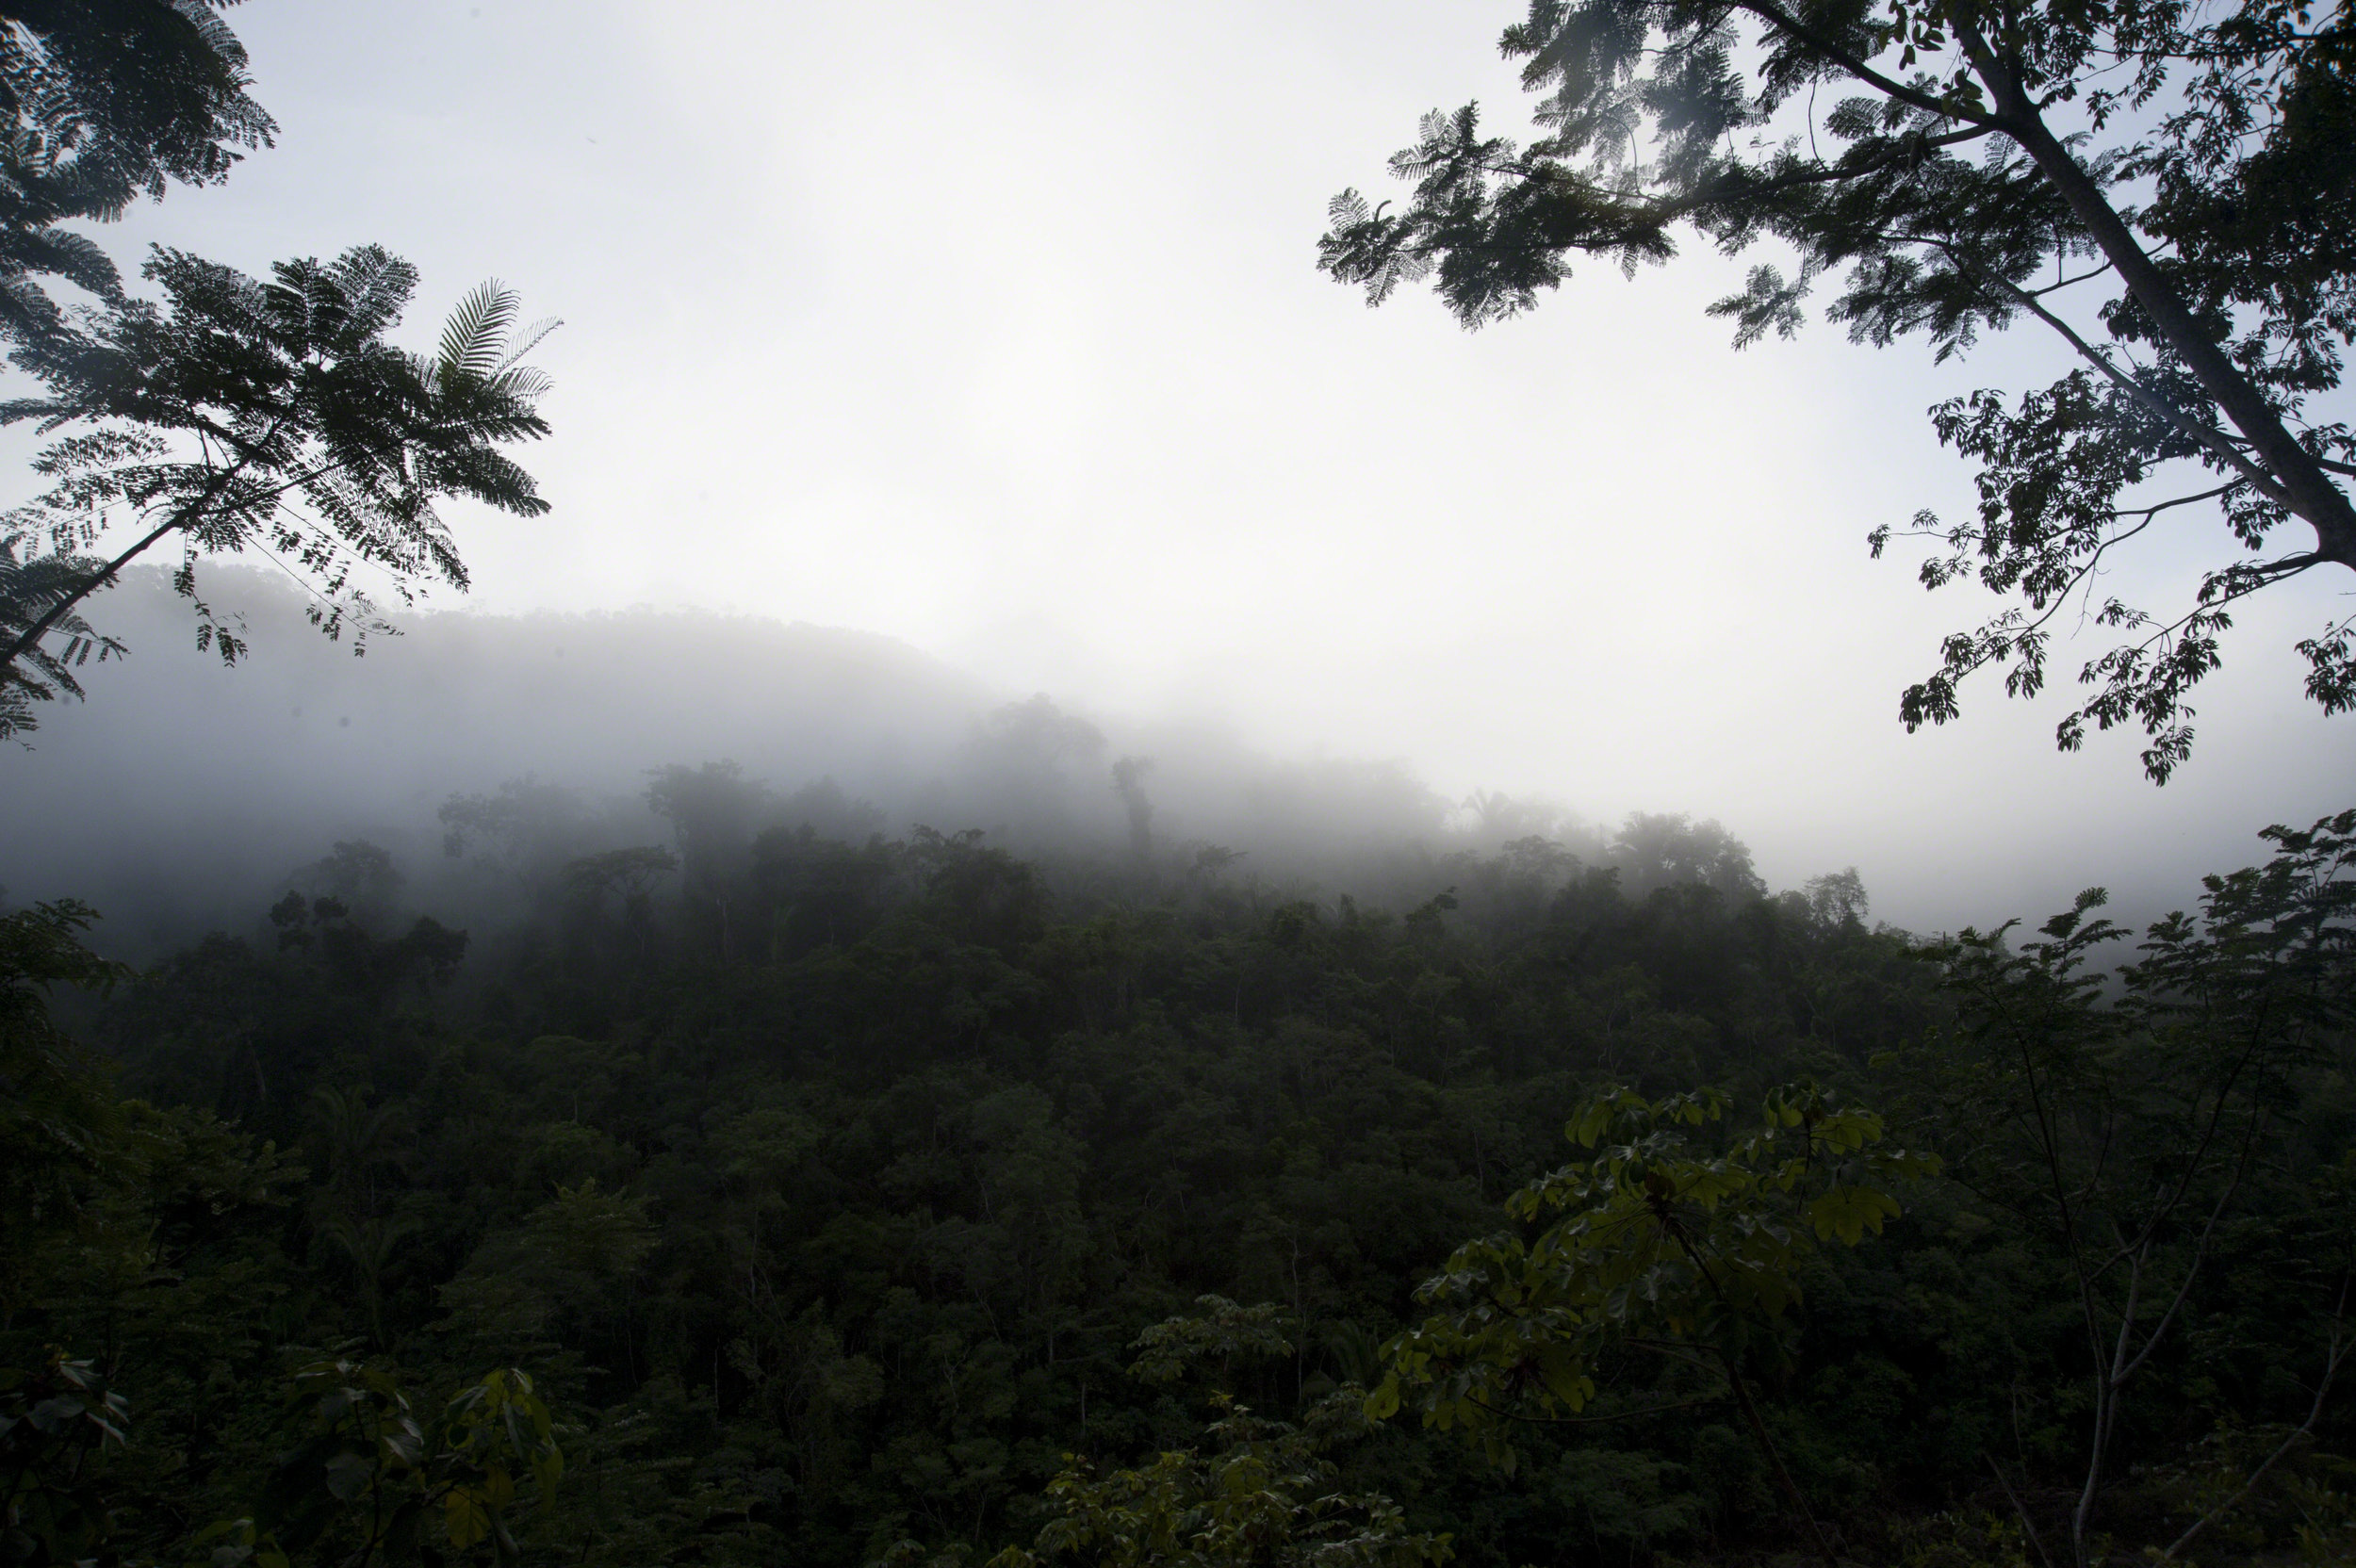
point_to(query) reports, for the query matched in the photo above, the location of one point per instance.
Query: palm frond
(206, 413)
(528, 340)
(470, 343)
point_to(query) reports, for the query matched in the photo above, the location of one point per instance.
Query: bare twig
(2021, 1509)
(2336, 1353)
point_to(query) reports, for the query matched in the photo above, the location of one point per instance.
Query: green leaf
(466, 1518)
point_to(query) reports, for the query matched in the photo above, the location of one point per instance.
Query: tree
(530, 826)
(210, 417)
(1129, 784)
(27, 589)
(105, 100)
(2125, 1129)
(1021, 762)
(1659, 1249)
(714, 811)
(631, 873)
(2169, 190)
(357, 877)
(1267, 1494)
(1662, 851)
(58, 1122)
(371, 1482)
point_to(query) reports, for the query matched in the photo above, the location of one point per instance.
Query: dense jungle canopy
(852, 1198)
(740, 1171)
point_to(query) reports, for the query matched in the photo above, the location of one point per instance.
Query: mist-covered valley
(856, 1112)
(471, 748)
(766, 796)
(188, 791)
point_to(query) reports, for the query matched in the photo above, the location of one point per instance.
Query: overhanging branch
(2214, 440)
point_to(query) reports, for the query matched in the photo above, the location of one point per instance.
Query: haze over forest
(1002, 886)
(1124, 446)
(221, 781)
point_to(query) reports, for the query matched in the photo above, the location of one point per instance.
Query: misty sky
(997, 330)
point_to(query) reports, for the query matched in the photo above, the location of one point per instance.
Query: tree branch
(184, 517)
(2333, 1356)
(2021, 1509)
(2215, 440)
(1784, 22)
(2200, 1254)
(2307, 491)
(40, 628)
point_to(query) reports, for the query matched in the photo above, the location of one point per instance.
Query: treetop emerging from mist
(2171, 189)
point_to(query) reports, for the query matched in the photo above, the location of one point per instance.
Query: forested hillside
(848, 1198)
(599, 1087)
(195, 832)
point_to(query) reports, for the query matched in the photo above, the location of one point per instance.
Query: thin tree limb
(2333, 1356)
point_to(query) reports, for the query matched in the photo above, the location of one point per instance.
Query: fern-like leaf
(470, 343)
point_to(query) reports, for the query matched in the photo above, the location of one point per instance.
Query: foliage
(207, 418)
(1659, 1246)
(103, 101)
(29, 589)
(1267, 1496)
(54, 1423)
(1660, 1250)
(1208, 1342)
(55, 1119)
(373, 1482)
(237, 414)
(2125, 1116)
(862, 1229)
(1967, 166)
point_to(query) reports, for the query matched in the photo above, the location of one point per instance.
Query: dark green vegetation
(2169, 188)
(833, 1189)
(784, 1192)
